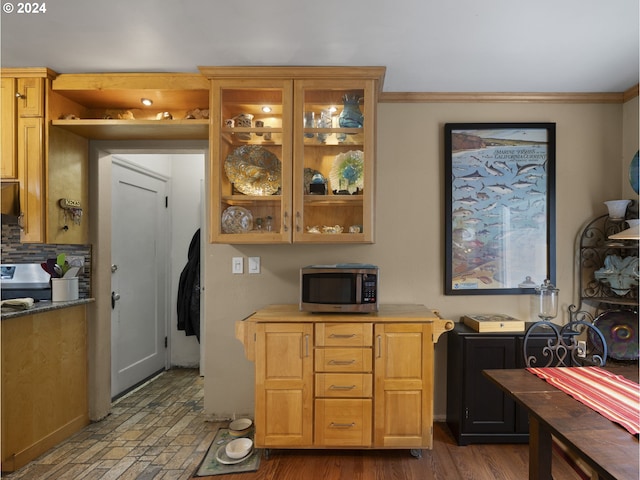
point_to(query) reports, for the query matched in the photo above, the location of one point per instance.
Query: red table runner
(612, 396)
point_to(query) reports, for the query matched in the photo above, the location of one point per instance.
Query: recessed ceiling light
(146, 102)
(266, 109)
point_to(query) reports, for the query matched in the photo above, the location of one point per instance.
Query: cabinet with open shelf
(263, 163)
(607, 272)
(107, 106)
(593, 250)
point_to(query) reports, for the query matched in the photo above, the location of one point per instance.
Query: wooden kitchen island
(343, 380)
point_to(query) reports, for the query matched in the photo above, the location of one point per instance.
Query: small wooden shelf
(243, 200)
(137, 129)
(333, 200)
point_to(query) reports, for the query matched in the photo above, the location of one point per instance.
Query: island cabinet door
(403, 366)
(284, 385)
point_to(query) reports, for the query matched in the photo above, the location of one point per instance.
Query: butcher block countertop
(387, 313)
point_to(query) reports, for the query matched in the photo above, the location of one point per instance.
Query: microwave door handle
(358, 289)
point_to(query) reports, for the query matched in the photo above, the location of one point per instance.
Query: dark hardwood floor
(160, 432)
(447, 461)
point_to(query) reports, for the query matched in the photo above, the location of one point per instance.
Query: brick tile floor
(156, 432)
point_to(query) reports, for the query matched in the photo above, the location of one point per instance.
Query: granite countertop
(43, 306)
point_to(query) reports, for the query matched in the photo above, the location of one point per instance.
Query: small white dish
(222, 457)
(238, 448)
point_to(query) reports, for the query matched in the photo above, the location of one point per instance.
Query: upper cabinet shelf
(108, 106)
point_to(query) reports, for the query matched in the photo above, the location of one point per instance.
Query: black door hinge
(166, 342)
(166, 202)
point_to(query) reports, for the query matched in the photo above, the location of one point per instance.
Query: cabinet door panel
(328, 146)
(488, 410)
(31, 100)
(403, 385)
(31, 174)
(8, 161)
(251, 164)
(284, 385)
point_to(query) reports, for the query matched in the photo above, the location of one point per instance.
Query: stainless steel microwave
(342, 287)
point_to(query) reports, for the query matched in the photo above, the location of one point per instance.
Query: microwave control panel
(369, 289)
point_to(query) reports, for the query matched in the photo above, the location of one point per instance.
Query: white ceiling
(426, 45)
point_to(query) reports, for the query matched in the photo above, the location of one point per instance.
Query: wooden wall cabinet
(44, 382)
(343, 380)
(274, 155)
(24, 137)
(48, 163)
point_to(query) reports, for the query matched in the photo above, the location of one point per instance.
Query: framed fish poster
(500, 207)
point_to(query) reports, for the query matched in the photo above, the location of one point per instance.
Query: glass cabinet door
(334, 150)
(251, 163)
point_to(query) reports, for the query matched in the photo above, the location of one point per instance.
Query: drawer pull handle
(338, 335)
(341, 362)
(342, 387)
(342, 425)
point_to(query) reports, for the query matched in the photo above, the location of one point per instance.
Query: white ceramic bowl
(239, 448)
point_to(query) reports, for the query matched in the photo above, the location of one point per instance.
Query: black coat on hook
(189, 291)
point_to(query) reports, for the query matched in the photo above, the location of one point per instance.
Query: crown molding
(506, 97)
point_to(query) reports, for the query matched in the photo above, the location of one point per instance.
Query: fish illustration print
(462, 212)
(467, 201)
(493, 171)
(472, 176)
(499, 188)
(522, 184)
(489, 207)
(522, 169)
(502, 165)
(466, 188)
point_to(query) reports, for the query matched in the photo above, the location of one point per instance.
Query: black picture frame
(500, 207)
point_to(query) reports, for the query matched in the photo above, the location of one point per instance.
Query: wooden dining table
(605, 446)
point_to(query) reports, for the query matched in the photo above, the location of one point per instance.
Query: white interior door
(139, 277)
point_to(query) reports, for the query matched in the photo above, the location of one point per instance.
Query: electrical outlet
(582, 349)
(254, 265)
(237, 265)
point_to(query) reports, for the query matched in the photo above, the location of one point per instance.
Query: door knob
(114, 298)
(114, 267)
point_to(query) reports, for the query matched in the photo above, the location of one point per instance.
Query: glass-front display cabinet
(293, 154)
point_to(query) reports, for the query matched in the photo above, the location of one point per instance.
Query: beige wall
(409, 230)
(630, 133)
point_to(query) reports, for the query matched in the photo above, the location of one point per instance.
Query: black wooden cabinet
(477, 410)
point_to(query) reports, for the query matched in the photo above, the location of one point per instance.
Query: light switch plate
(237, 265)
(254, 265)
